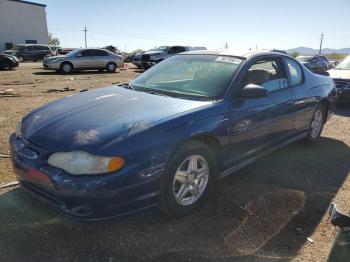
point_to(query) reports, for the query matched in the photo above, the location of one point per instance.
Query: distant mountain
(310, 51)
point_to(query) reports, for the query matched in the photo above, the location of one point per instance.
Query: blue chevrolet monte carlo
(167, 136)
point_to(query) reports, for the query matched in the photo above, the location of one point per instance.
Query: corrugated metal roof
(27, 2)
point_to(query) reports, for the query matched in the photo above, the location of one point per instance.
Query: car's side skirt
(245, 163)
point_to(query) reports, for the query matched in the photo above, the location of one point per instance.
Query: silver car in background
(84, 59)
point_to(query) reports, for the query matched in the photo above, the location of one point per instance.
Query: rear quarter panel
(315, 89)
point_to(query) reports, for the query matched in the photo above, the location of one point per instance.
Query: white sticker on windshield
(227, 59)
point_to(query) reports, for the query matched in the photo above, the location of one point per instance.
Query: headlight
(18, 129)
(55, 60)
(83, 163)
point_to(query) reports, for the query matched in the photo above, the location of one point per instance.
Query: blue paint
(145, 129)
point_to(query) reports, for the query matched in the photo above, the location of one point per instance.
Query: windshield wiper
(127, 86)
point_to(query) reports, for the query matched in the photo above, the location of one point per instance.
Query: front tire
(316, 124)
(189, 177)
(5, 65)
(20, 58)
(66, 68)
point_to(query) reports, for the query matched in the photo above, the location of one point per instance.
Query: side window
(268, 73)
(99, 53)
(85, 53)
(44, 47)
(295, 72)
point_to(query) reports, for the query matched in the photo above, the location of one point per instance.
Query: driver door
(259, 123)
(83, 60)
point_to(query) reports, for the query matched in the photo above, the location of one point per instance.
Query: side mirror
(79, 55)
(254, 91)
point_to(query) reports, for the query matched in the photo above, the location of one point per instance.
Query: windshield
(304, 58)
(345, 64)
(19, 48)
(74, 52)
(189, 76)
(161, 48)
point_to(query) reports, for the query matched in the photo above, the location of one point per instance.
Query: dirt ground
(264, 212)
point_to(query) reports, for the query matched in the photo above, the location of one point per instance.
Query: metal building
(22, 22)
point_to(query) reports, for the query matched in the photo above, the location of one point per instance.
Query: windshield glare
(189, 76)
(304, 58)
(345, 64)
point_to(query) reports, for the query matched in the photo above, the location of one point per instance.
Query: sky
(243, 24)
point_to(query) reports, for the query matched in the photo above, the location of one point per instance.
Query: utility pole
(85, 36)
(319, 51)
(125, 48)
(256, 46)
(226, 46)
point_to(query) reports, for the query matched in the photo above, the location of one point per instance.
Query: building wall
(20, 22)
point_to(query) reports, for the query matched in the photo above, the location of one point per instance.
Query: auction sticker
(227, 59)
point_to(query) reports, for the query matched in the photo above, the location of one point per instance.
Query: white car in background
(341, 77)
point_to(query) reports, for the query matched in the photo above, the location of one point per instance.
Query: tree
(295, 54)
(53, 41)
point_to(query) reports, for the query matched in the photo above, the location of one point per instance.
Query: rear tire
(316, 124)
(189, 177)
(111, 67)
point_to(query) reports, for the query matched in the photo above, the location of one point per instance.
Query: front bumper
(51, 66)
(82, 197)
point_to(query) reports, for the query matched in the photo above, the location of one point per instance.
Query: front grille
(342, 83)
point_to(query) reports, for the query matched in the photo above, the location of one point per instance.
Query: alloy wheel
(190, 180)
(316, 124)
(67, 68)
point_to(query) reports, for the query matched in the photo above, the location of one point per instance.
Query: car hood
(339, 73)
(8, 52)
(89, 120)
(6, 55)
(55, 57)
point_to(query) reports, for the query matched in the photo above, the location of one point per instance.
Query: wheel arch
(209, 140)
(325, 102)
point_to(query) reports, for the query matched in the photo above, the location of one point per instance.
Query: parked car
(167, 136)
(84, 59)
(314, 63)
(341, 76)
(157, 55)
(136, 59)
(8, 61)
(31, 52)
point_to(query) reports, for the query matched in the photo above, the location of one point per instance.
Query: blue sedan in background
(167, 136)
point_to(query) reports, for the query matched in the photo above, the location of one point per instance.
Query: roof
(27, 2)
(228, 52)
